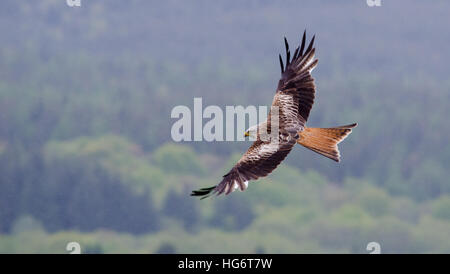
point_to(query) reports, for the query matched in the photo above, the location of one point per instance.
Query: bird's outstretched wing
(259, 161)
(295, 92)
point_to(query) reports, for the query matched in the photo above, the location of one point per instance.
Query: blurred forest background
(85, 148)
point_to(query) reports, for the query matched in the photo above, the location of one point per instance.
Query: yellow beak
(246, 134)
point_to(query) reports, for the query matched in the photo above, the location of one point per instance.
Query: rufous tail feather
(325, 140)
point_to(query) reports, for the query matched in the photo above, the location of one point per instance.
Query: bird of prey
(293, 100)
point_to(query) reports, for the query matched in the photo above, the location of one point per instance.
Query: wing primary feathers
(203, 192)
(281, 64)
(310, 44)
(305, 60)
(298, 52)
(286, 44)
(302, 47)
(288, 53)
(288, 58)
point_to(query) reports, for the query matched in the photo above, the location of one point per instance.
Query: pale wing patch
(268, 149)
(262, 151)
(287, 104)
(236, 186)
(289, 110)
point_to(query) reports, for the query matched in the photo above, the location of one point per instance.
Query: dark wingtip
(288, 52)
(298, 51)
(310, 44)
(302, 47)
(281, 64)
(203, 192)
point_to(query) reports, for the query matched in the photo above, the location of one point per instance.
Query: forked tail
(325, 140)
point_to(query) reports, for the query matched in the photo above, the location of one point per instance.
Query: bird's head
(252, 132)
